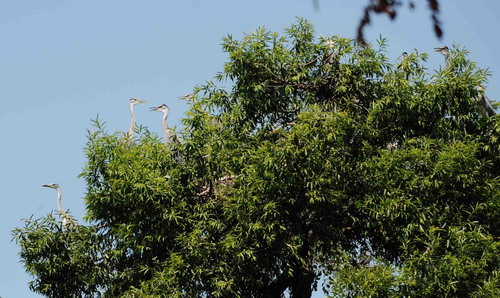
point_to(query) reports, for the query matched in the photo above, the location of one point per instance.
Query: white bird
(168, 133)
(133, 102)
(67, 221)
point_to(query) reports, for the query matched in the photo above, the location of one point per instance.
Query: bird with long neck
(133, 102)
(485, 107)
(66, 220)
(168, 133)
(446, 53)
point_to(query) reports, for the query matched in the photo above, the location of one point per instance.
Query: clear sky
(64, 62)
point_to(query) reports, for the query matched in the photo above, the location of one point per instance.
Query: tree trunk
(302, 286)
(304, 276)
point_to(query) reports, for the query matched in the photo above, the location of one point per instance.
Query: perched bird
(168, 133)
(446, 53)
(365, 258)
(404, 65)
(485, 107)
(329, 55)
(133, 102)
(483, 102)
(67, 221)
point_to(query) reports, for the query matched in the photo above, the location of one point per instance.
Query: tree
(322, 159)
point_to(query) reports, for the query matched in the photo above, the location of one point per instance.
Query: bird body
(404, 65)
(486, 109)
(67, 221)
(133, 102)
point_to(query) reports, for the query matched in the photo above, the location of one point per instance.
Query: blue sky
(64, 62)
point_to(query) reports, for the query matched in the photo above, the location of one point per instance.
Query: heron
(329, 55)
(365, 258)
(446, 53)
(168, 133)
(485, 107)
(404, 64)
(402, 58)
(133, 102)
(67, 221)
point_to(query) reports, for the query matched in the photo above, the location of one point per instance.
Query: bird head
(161, 108)
(443, 50)
(134, 101)
(188, 97)
(53, 185)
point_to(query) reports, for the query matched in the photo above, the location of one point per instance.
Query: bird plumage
(486, 109)
(133, 102)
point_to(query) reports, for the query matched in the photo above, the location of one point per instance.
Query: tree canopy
(324, 166)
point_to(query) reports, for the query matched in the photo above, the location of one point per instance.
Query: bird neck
(132, 121)
(164, 120)
(446, 60)
(59, 200)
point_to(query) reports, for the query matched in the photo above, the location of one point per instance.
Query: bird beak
(154, 108)
(45, 185)
(438, 49)
(142, 101)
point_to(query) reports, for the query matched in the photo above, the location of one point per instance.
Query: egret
(168, 133)
(133, 102)
(67, 221)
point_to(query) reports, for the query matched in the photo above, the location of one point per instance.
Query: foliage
(322, 159)
(66, 263)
